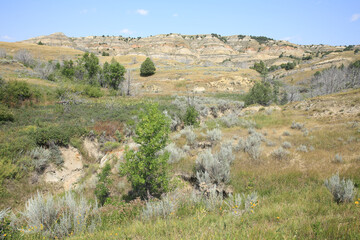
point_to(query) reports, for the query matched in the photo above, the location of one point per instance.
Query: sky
(333, 22)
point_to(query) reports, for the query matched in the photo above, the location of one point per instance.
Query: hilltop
(237, 50)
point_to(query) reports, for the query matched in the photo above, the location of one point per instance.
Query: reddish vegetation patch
(109, 127)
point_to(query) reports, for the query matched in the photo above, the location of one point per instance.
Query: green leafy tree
(260, 93)
(147, 68)
(260, 68)
(113, 73)
(68, 69)
(145, 168)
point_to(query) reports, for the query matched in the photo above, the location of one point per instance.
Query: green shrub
(5, 114)
(191, 116)
(102, 191)
(14, 92)
(93, 92)
(147, 68)
(59, 135)
(109, 146)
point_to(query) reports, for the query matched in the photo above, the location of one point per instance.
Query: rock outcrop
(236, 50)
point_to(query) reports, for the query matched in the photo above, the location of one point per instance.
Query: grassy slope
(293, 200)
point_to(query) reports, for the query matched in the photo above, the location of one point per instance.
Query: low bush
(280, 153)
(337, 159)
(159, 208)
(175, 153)
(342, 190)
(15, 92)
(102, 191)
(58, 217)
(92, 91)
(296, 125)
(190, 135)
(59, 135)
(230, 120)
(302, 148)
(286, 145)
(191, 116)
(5, 114)
(109, 146)
(214, 135)
(40, 158)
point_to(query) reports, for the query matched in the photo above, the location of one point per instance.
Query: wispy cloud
(127, 31)
(5, 37)
(355, 17)
(86, 10)
(142, 12)
(287, 38)
(175, 15)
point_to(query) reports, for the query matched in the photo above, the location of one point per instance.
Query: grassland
(293, 201)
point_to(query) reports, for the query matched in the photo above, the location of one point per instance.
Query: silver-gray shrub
(24, 56)
(230, 120)
(239, 204)
(176, 153)
(40, 158)
(159, 208)
(225, 153)
(296, 125)
(210, 170)
(4, 213)
(214, 135)
(253, 145)
(58, 217)
(341, 189)
(338, 158)
(302, 148)
(245, 123)
(250, 200)
(280, 153)
(286, 145)
(213, 199)
(286, 133)
(189, 135)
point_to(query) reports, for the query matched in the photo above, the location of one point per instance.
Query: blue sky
(335, 22)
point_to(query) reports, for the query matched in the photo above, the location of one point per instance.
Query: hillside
(236, 167)
(239, 50)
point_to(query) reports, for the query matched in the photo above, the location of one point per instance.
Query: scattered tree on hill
(260, 68)
(147, 68)
(68, 69)
(260, 93)
(113, 73)
(145, 168)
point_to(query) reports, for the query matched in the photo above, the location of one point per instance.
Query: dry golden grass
(42, 51)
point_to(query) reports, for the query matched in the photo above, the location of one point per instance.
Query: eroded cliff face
(237, 50)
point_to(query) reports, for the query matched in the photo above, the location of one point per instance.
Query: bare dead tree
(2, 53)
(24, 56)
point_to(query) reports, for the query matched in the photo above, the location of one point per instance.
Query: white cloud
(86, 11)
(142, 12)
(175, 15)
(6, 37)
(355, 17)
(287, 38)
(127, 31)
